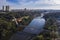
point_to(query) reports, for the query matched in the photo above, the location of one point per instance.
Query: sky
(31, 4)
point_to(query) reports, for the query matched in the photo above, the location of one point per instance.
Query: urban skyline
(31, 4)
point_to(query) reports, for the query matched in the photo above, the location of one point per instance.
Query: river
(33, 29)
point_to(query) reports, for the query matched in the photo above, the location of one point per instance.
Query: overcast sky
(33, 4)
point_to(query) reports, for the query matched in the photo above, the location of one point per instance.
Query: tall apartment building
(7, 8)
(2, 8)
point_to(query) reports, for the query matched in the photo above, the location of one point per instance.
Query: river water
(33, 29)
(36, 26)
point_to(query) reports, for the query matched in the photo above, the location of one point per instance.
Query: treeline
(8, 27)
(49, 32)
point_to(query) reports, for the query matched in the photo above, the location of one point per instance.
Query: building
(7, 8)
(2, 8)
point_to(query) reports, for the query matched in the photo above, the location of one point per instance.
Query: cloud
(33, 4)
(2, 2)
(57, 1)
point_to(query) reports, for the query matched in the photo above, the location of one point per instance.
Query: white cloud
(43, 4)
(57, 1)
(2, 2)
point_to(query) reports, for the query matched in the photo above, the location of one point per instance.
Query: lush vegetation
(49, 32)
(8, 27)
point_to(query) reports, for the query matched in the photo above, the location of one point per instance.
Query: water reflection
(33, 29)
(36, 25)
